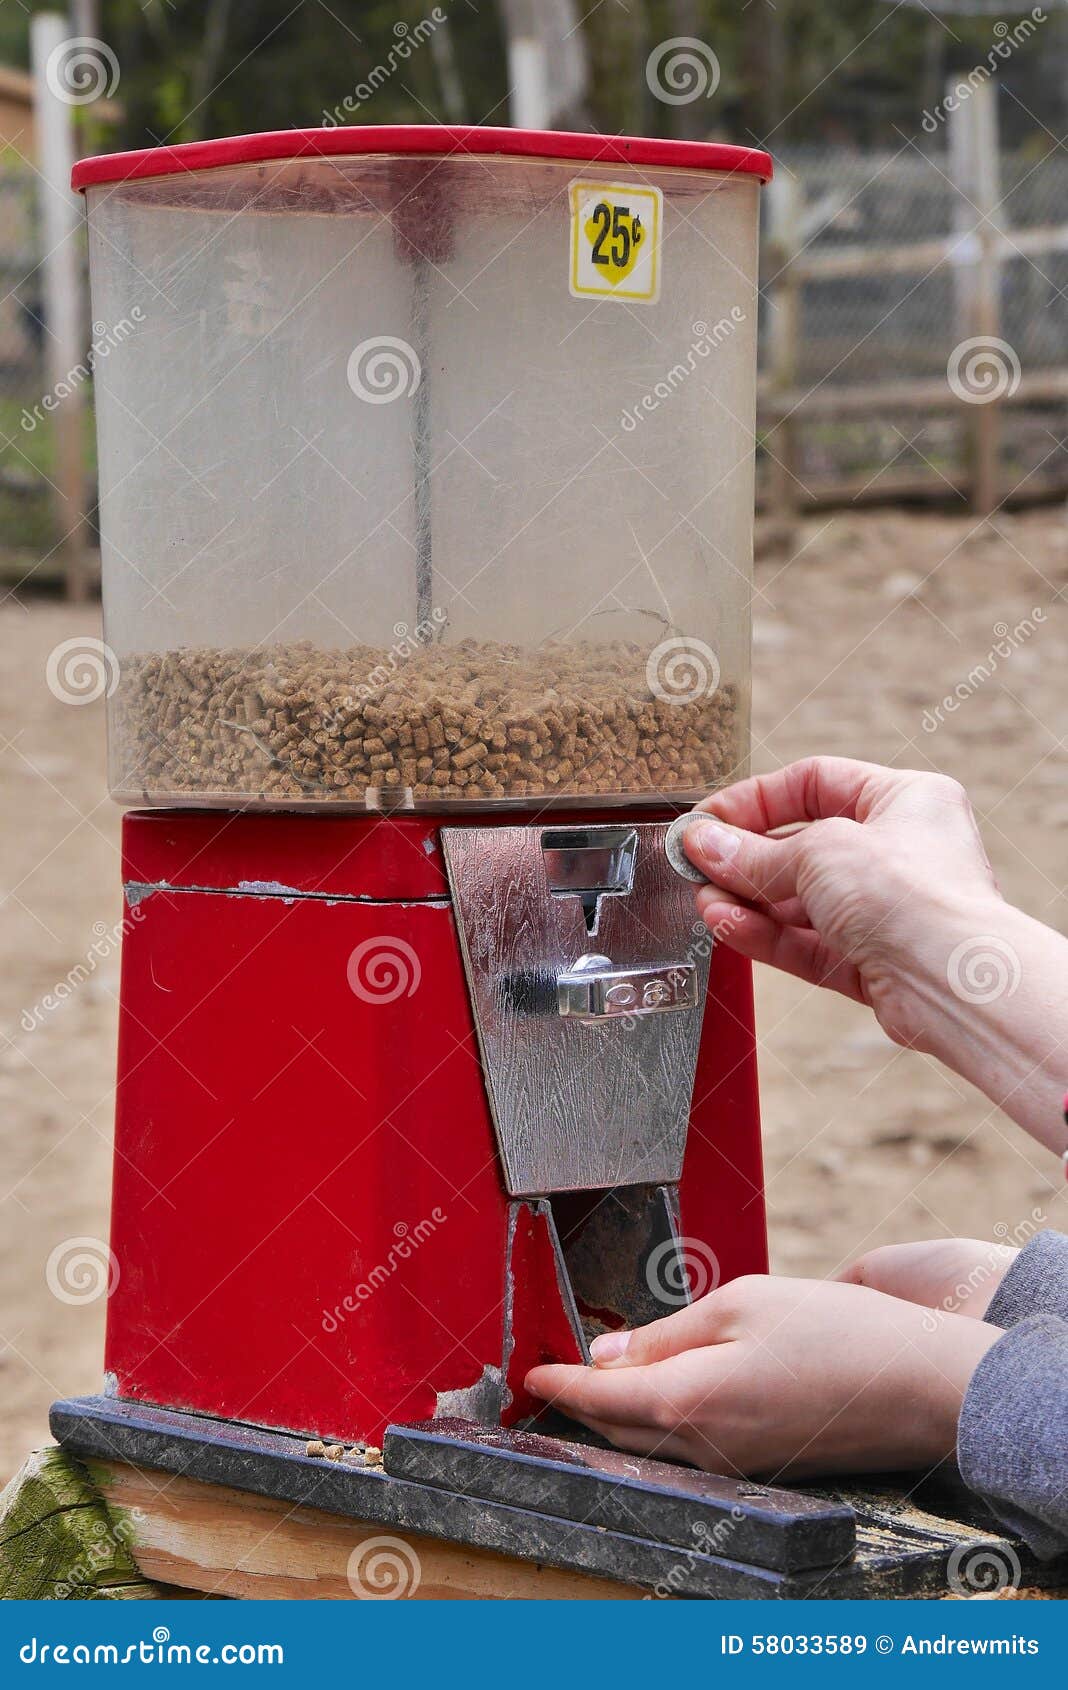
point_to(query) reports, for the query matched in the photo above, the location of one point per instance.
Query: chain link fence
(881, 274)
(859, 329)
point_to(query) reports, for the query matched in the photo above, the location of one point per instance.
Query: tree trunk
(617, 38)
(692, 121)
(763, 57)
(209, 63)
(546, 61)
(449, 80)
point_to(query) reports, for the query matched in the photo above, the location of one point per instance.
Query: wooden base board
(224, 1542)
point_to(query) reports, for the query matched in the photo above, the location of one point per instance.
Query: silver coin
(675, 851)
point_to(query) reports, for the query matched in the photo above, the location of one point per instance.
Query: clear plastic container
(426, 467)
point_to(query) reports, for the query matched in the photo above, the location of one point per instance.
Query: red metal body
(309, 1221)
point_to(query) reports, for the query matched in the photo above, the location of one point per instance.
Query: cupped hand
(861, 898)
(772, 1377)
(957, 1275)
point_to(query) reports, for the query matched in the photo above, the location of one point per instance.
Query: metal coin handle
(593, 989)
(675, 851)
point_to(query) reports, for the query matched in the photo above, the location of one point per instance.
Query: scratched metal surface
(577, 1105)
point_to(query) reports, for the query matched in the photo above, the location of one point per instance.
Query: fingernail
(712, 840)
(610, 1346)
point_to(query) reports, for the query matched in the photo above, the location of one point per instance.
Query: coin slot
(589, 864)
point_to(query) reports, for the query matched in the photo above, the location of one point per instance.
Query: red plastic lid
(419, 138)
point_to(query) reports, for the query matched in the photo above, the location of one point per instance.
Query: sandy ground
(871, 622)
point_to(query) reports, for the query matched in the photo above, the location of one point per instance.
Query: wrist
(958, 1347)
(927, 940)
(987, 995)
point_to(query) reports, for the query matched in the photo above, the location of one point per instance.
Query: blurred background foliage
(836, 89)
(793, 71)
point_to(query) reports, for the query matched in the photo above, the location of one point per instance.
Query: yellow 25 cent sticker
(615, 241)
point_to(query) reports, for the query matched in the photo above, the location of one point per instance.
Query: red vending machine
(426, 490)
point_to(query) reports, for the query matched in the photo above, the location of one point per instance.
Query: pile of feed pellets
(473, 721)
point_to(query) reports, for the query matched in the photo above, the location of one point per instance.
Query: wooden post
(60, 223)
(783, 203)
(58, 1542)
(974, 167)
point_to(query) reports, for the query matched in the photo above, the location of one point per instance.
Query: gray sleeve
(1012, 1436)
(1036, 1283)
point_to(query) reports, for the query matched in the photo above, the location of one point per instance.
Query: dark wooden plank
(764, 1526)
